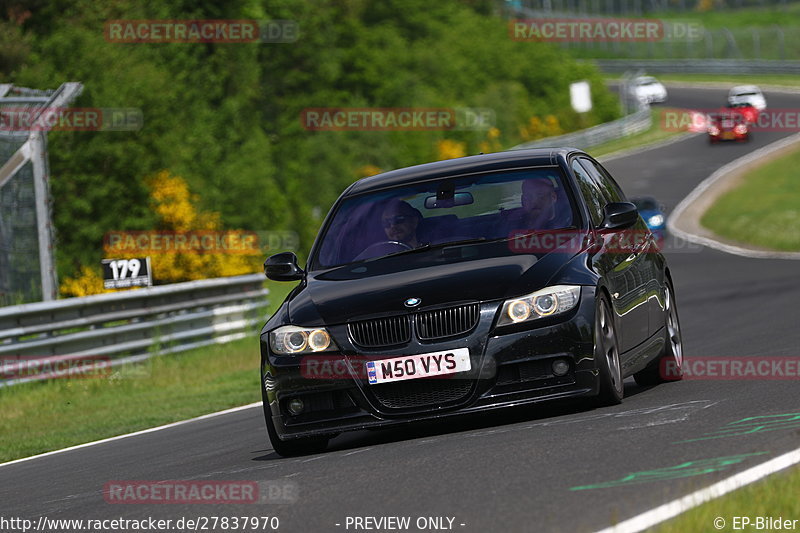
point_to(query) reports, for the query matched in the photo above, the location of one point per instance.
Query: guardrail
(627, 125)
(701, 66)
(128, 326)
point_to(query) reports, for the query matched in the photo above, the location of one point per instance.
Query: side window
(591, 195)
(604, 181)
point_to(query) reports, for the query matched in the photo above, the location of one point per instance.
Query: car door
(622, 261)
(651, 261)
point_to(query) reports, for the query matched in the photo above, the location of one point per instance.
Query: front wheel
(669, 365)
(606, 353)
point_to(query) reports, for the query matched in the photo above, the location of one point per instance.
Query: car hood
(356, 291)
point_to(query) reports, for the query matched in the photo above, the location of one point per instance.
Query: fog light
(560, 367)
(296, 406)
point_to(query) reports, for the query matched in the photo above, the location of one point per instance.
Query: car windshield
(450, 210)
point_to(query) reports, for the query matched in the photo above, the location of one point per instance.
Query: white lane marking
(313, 459)
(136, 433)
(704, 185)
(356, 451)
(672, 509)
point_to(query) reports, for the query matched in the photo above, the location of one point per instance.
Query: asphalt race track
(547, 468)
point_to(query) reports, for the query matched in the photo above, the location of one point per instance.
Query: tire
(293, 447)
(606, 353)
(668, 366)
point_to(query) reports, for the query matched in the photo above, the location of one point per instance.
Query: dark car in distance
(654, 215)
(466, 285)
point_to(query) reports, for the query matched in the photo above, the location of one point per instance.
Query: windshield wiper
(429, 246)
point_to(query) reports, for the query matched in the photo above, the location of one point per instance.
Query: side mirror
(283, 267)
(619, 215)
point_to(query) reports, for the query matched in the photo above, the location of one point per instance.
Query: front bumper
(728, 136)
(510, 366)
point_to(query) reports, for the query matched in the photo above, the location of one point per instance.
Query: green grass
(764, 210)
(654, 134)
(774, 497)
(44, 416)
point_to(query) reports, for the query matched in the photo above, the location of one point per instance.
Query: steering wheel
(372, 250)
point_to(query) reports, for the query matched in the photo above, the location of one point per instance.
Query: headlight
(296, 341)
(545, 302)
(655, 220)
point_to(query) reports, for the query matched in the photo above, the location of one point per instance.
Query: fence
(27, 271)
(616, 129)
(756, 43)
(628, 7)
(130, 326)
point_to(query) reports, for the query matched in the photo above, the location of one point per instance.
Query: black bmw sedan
(466, 285)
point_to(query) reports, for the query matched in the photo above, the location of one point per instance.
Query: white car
(747, 94)
(647, 89)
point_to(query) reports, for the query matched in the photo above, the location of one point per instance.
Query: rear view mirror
(459, 198)
(619, 215)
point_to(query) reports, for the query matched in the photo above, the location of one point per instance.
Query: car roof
(745, 89)
(640, 79)
(506, 160)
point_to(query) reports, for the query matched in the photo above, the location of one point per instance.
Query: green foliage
(226, 116)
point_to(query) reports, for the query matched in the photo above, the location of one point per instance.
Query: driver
(400, 222)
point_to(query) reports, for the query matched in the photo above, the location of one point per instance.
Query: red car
(728, 125)
(749, 112)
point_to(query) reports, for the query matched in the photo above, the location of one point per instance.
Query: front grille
(421, 392)
(447, 322)
(380, 331)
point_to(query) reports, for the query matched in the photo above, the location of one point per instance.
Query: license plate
(418, 366)
(728, 135)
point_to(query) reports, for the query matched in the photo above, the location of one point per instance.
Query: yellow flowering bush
(492, 142)
(368, 170)
(449, 149)
(178, 214)
(536, 128)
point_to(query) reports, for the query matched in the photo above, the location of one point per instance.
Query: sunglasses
(395, 220)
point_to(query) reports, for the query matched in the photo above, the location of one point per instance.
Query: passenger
(538, 210)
